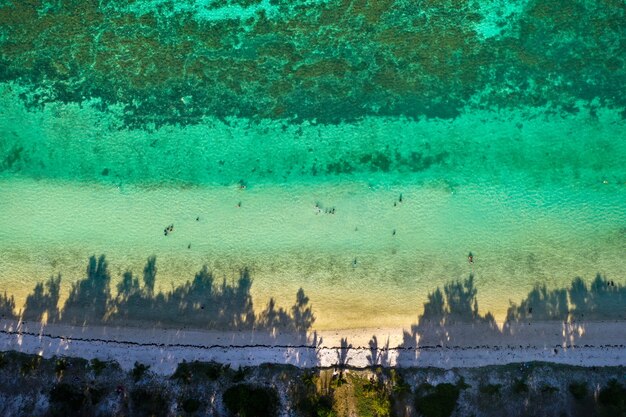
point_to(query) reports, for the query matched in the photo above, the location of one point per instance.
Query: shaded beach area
(204, 320)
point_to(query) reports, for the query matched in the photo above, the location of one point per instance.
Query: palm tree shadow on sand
(198, 304)
(575, 308)
(379, 355)
(451, 318)
(7, 307)
(438, 326)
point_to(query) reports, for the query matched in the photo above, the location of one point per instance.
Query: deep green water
(500, 125)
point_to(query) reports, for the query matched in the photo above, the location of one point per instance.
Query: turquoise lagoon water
(532, 205)
(533, 185)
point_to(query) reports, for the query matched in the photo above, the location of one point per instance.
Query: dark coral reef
(328, 62)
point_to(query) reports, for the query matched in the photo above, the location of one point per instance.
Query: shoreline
(286, 246)
(602, 344)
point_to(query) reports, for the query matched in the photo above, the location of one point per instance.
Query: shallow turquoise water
(539, 213)
(533, 185)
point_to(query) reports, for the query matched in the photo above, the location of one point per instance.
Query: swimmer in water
(470, 258)
(354, 263)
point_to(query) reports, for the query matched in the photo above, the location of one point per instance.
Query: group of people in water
(318, 209)
(395, 203)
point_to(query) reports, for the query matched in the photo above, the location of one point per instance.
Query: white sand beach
(582, 344)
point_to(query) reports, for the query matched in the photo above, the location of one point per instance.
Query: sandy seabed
(604, 345)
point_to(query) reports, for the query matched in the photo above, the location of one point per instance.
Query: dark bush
(183, 372)
(439, 401)
(490, 389)
(462, 385)
(139, 370)
(612, 399)
(308, 402)
(305, 395)
(246, 400)
(97, 366)
(548, 389)
(578, 390)
(66, 399)
(186, 371)
(520, 387)
(240, 374)
(191, 405)
(399, 385)
(60, 366)
(212, 370)
(96, 394)
(30, 363)
(324, 406)
(149, 402)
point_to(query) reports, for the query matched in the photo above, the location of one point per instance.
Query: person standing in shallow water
(470, 258)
